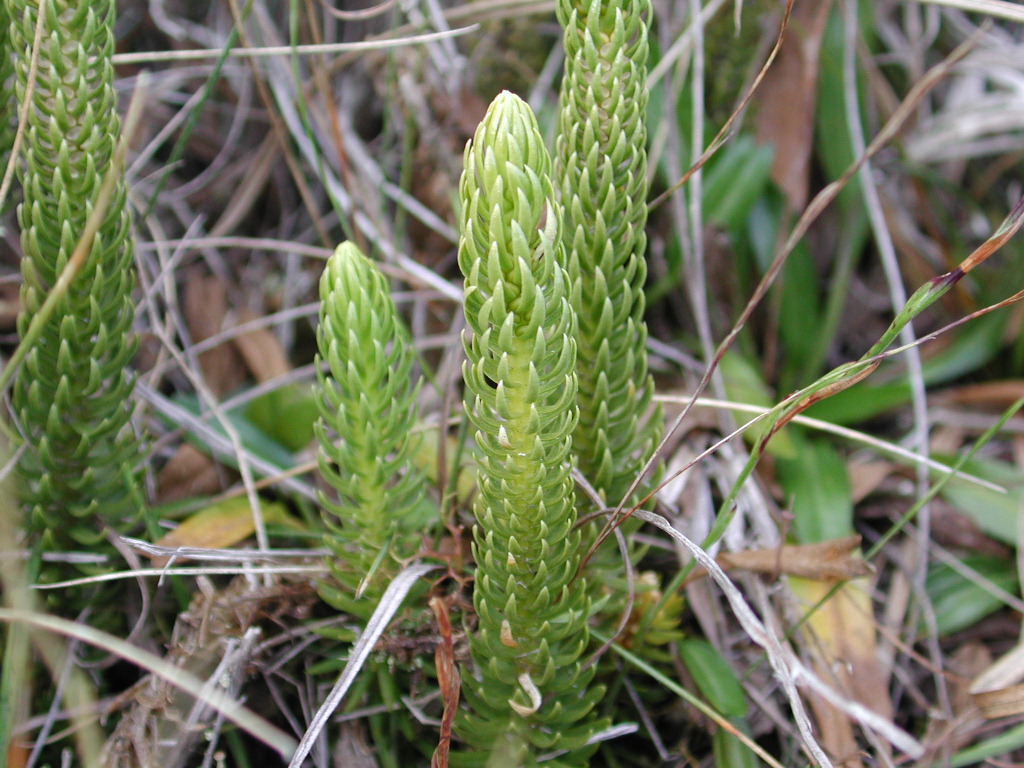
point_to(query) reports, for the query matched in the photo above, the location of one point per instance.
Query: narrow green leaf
(960, 603)
(818, 491)
(287, 414)
(714, 677)
(997, 514)
(744, 384)
(974, 346)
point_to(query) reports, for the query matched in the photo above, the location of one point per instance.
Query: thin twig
(258, 52)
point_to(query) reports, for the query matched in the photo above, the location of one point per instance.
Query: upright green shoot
(367, 401)
(530, 693)
(72, 397)
(601, 167)
(7, 125)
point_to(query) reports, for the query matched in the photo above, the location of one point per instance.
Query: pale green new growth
(532, 693)
(73, 395)
(601, 162)
(368, 399)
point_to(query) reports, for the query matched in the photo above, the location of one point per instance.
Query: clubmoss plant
(530, 694)
(368, 399)
(601, 166)
(7, 124)
(72, 396)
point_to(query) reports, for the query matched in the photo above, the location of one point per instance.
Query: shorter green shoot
(367, 401)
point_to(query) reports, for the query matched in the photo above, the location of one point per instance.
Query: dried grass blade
(999, 8)
(788, 669)
(150, 57)
(389, 604)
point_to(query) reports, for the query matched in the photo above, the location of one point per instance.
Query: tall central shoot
(531, 694)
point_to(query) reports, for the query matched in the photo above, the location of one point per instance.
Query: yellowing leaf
(841, 639)
(223, 524)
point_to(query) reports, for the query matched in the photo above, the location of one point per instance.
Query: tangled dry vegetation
(869, 593)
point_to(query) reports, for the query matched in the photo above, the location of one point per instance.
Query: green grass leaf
(960, 603)
(997, 514)
(714, 677)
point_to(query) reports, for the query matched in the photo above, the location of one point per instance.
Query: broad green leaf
(799, 310)
(817, 490)
(736, 181)
(959, 602)
(997, 514)
(714, 677)
(730, 752)
(226, 523)
(253, 439)
(286, 414)
(832, 139)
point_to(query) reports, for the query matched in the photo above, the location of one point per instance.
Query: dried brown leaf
(951, 528)
(262, 351)
(834, 560)
(10, 305)
(991, 394)
(841, 640)
(836, 732)
(998, 691)
(787, 101)
(190, 472)
(206, 309)
(947, 736)
(866, 476)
